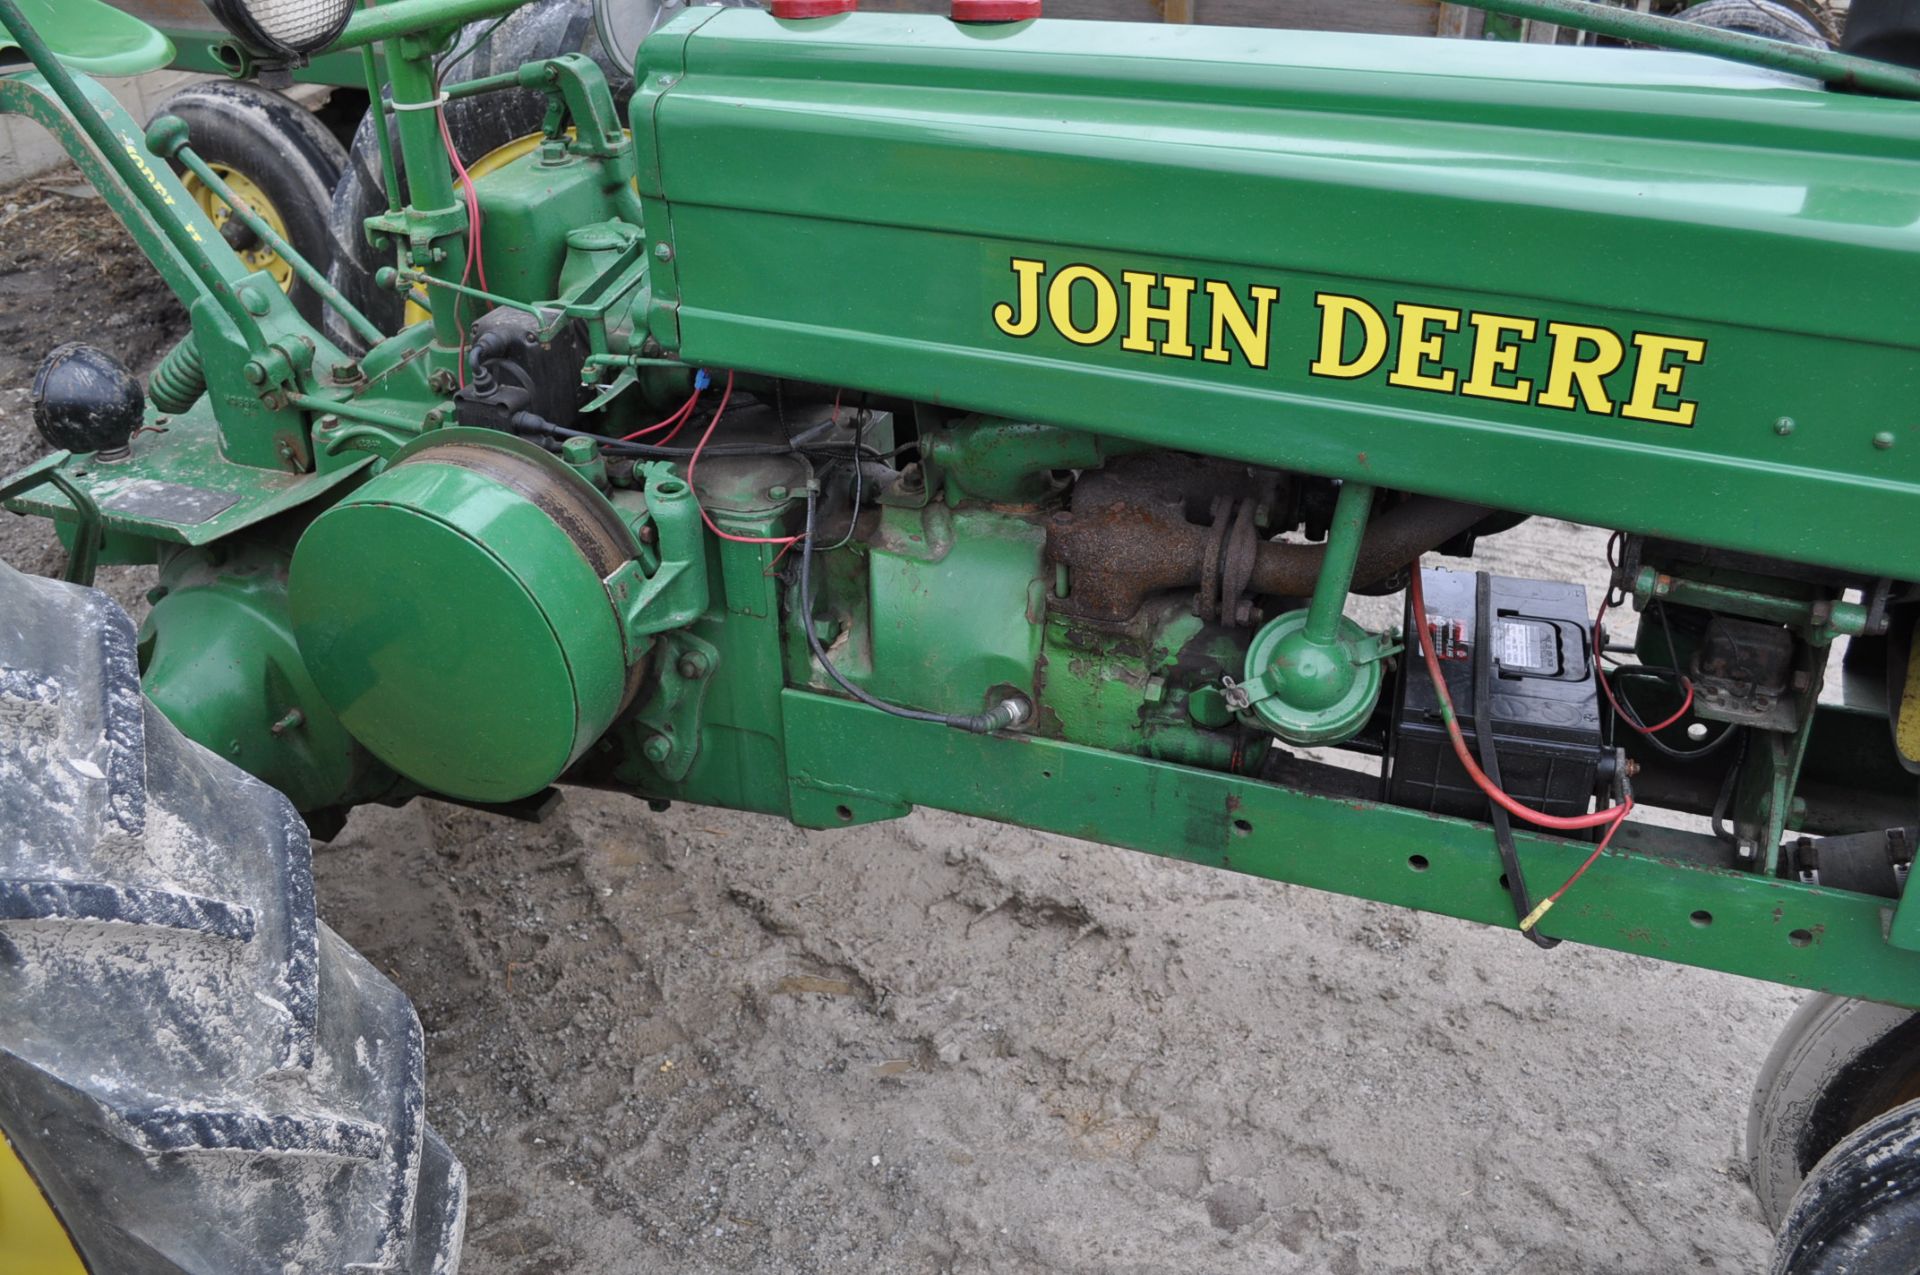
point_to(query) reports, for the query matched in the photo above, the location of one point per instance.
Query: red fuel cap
(995, 10)
(812, 8)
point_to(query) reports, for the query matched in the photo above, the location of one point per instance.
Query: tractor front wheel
(277, 158)
(1838, 1065)
(1858, 1212)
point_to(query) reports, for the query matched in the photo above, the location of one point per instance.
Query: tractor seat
(90, 36)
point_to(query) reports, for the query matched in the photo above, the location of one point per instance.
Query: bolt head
(664, 251)
(255, 300)
(692, 666)
(1783, 426)
(1883, 440)
(658, 748)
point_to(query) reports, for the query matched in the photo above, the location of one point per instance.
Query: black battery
(1544, 697)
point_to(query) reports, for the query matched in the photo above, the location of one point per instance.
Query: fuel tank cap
(453, 612)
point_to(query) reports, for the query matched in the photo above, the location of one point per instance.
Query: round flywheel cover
(452, 611)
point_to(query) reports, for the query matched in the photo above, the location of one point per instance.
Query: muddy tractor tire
(486, 130)
(1838, 1065)
(277, 156)
(1768, 19)
(196, 1074)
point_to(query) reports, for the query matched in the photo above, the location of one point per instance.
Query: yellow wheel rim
(491, 162)
(260, 256)
(32, 1241)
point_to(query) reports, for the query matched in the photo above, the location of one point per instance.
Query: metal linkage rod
(147, 187)
(1840, 69)
(168, 138)
(1344, 536)
(409, 17)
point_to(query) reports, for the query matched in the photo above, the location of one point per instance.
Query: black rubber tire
(478, 125)
(293, 158)
(200, 1076)
(1858, 1213)
(1764, 18)
(1887, 30)
(1838, 1064)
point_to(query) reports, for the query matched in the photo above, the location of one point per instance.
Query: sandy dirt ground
(699, 1041)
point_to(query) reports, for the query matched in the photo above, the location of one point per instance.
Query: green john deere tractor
(994, 414)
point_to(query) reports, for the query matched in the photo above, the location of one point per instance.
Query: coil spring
(180, 379)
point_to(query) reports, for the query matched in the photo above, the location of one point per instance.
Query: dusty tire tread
(204, 1079)
(123, 905)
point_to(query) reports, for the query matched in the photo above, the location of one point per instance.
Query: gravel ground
(709, 1042)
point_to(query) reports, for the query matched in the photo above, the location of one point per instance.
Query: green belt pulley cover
(453, 612)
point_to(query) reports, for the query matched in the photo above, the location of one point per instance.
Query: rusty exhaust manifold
(1121, 547)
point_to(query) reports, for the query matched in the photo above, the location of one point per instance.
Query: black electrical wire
(1632, 715)
(859, 486)
(1008, 712)
(440, 67)
(1722, 802)
(1490, 754)
(531, 424)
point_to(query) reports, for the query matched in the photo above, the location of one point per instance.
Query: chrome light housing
(284, 28)
(625, 23)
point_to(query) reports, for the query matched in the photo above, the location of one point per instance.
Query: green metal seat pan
(95, 37)
(457, 631)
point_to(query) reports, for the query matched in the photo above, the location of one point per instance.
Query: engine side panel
(1668, 291)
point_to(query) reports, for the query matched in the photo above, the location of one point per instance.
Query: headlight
(285, 28)
(625, 23)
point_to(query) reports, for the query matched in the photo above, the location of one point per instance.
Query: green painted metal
(1151, 689)
(196, 50)
(1822, 620)
(1014, 461)
(432, 230)
(907, 639)
(444, 601)
(740, 760)
(1632, 901)
(397, 18)
(218, 657)
(251, 340)
(92, 36)
(1314, 676)
(178, 488)
(168, 138)
(87, 532)
(525, 201)
(1904, 930)
(1632, 192)
(166, 211)
(1065, 242)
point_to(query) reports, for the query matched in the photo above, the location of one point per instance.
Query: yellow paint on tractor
(1906, 727)
(32, 1241)
(260, 256)
(491, 162)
